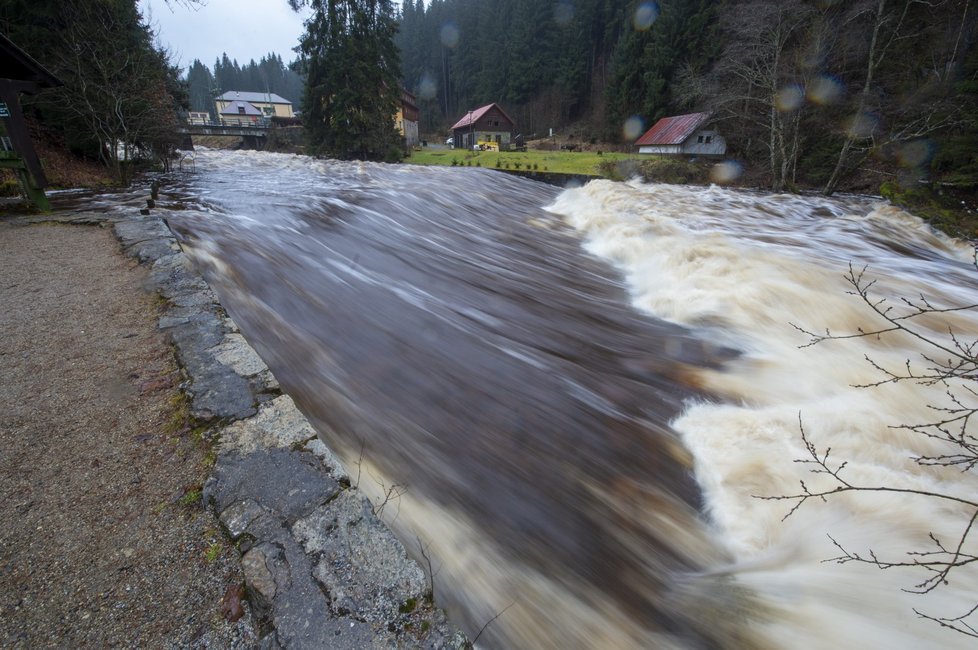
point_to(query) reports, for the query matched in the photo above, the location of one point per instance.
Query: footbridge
(253, 134)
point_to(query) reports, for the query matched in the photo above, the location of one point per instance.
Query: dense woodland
(805, 91)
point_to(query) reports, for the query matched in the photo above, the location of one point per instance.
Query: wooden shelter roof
(18, 65)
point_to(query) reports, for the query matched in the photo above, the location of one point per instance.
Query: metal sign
(4, 111)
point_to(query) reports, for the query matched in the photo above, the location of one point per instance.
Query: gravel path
(102, 538)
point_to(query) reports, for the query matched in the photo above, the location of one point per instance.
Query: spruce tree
(352, 89)
(647, 59)
(201, 86)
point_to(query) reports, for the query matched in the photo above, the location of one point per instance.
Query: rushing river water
(570, 398)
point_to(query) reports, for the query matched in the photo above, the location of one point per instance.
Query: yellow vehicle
(488, 145)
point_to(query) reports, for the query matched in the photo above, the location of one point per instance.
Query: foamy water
(742, 268)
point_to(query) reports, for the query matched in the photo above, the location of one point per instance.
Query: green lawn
(558, 162)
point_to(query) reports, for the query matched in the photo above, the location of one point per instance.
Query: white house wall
(411, 136)
(705, 142)
(660, 149)
(713, 144)
(267, 109)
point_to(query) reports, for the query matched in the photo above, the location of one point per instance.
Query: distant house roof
(234, 108)
(474, 116)
(18, 65)
(262, 98)
(673, 130)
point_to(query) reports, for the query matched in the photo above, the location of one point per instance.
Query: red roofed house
(488, 124)
(683, 135)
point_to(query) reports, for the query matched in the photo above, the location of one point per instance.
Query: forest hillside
(811, 92)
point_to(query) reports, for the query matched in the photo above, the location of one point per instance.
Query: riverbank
(104, 541)
(312, 564)
(952, 210)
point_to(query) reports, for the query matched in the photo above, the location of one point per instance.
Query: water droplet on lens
(449, 35)
(633, 127)
(862, 125)
(563, 13)
(789, 98)
(726, 172)
(645, 15)
(824, 90)
(427, 88)
(915, 153)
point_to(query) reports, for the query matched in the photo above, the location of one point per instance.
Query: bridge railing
(260, 123)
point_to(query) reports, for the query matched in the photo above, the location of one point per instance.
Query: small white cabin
(683, 135)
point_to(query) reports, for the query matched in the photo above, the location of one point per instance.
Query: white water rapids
(465, 333)
(743, 267)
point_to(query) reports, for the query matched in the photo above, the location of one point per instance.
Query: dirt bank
(103, 540)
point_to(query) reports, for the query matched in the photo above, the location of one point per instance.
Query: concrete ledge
(321, 569)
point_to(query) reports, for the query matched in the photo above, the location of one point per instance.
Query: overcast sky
(245, 29)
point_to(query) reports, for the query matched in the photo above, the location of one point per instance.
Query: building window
(709, 139)
(241, 110)
(699, 139)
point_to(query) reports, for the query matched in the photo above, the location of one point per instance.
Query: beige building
(268, 104)
(406, 119)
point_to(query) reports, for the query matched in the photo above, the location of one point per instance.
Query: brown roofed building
(683, 135)
(487, 124)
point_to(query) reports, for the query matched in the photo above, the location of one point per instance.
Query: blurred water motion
(459, 338)
(442, 329)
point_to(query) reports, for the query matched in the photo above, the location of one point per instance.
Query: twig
(431, 571)
(490, 621)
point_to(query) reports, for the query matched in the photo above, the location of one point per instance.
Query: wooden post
(17, 130)
(22, 74)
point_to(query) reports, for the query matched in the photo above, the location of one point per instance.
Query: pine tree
(648, 57)
(352, 89)
(201, 87)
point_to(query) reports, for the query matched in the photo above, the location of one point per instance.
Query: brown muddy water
(568, 399)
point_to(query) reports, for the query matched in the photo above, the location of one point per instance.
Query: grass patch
(210, 458)
(954, 213)
(213, 552)
(180, 416)
(409, 606)
(586, 163)
(191, 497)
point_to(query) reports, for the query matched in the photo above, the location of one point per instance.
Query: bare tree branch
(952, 363)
